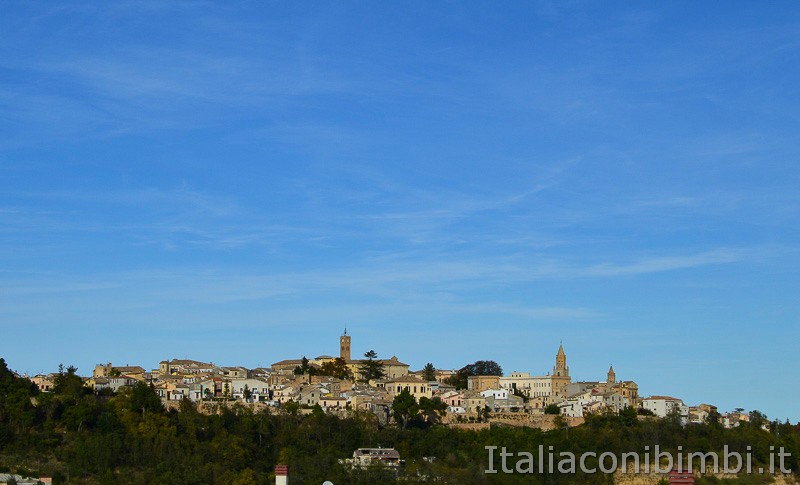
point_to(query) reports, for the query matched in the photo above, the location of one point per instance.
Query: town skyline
(344, 351)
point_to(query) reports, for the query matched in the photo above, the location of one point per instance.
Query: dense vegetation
(79, 437)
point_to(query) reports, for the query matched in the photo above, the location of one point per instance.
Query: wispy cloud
(430, 281)
(658, 264)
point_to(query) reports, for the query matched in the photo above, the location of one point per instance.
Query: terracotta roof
(190, 362)
(133, 369)
(665, 398)
(408, 378)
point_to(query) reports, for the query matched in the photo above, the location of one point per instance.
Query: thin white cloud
(428, 283)
(658, 264)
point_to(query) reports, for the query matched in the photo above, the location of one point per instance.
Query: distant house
(414, 385)
(474, 403)
(367, 398)
(700, 414)
(439, 388)
(527, 385)
(287, 367)
(330, 403)
(611, 399)
(499, 400)
(99, 383)
(482, 383)
(495, 393)
(663, 406)
(284, 394)
(184, 366)
(573, 406)
(310, 395)
(444, 374)
(108, 370)
(369, 457)
(117, 383)
(262, 371)
(258, 389)
(44, 383)
(235, 372)
(453, 398)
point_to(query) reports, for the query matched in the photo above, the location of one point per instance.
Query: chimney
(282, 475)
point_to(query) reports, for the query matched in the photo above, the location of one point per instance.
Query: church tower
(561, 369)
(612, 376)
(560, 379)
(344, 346)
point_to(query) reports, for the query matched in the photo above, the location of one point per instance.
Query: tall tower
(560, 378)
(561, 369)
(344, 346)
(611, 378)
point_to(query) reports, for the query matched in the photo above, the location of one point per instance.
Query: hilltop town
(341, 384)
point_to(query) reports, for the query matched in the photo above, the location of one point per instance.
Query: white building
(663, 406)
(528, 385)
(610, 399)
(575, 405)
(495, 393)
(258, 388)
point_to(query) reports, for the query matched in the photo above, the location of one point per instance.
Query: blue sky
(237, 182)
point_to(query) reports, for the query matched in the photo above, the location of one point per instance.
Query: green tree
(478, 368)
(758, 419)
(429, 372)
(371, 368)
(432, 409)
(69, 384)
(483, 413)
(17, 413)
(552, 409)
(404, 407)
(291, 407)
(245, 477)
(247, 393)
(628, 416)
(143, 398)
(714, 419)
(305, 368)
(336, 368)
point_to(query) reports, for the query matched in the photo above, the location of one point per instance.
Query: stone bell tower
(561, 369)
(560, 378)
(344, 346)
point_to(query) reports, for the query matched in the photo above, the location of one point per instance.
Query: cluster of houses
(300, 381)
